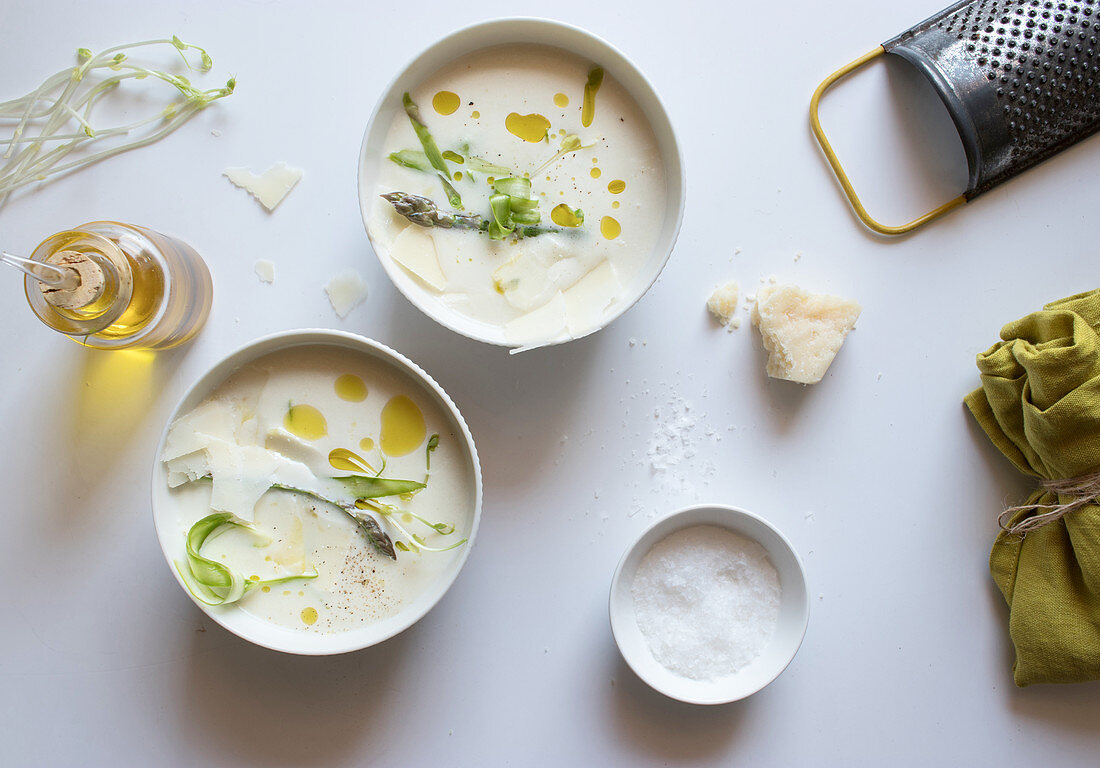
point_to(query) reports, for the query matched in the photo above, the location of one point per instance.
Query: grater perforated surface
(1021, 78)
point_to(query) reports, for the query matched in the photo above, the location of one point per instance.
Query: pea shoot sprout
(54, 132)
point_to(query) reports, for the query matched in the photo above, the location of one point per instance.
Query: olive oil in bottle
(124, 287)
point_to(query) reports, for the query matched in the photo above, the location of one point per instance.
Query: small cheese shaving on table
(346, 291)
(265, 270)
(801, 331)
(270, 187)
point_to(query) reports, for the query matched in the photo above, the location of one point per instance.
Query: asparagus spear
(420, 210)
(431, 149)
(363, 488)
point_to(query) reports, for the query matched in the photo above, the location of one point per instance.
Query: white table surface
(877, 474)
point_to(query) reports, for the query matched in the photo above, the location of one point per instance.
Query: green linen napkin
(1040, 405)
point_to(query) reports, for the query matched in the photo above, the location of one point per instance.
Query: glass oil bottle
(127, 287)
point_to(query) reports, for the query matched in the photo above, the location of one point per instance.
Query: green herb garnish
(55, 121)
(211, 582)
(452, 194)
(431, 149)
(392, 515)
(424, 212)
(433, 443)
(410, 158)
(570, 143)
(484, 166)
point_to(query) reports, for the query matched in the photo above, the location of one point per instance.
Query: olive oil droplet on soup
(532, 128)
(306, 422)
(403, 428)
(561, 100)
(348, 461)
(563, 216)
(610, 228)
(445, 102)
(309, 616)
(351, 388)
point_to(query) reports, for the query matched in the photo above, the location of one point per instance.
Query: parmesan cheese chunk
(414, 249)
(801, 331)
(723, 302)
(269, 187)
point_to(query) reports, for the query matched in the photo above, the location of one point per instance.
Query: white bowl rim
(319, 337)
(391, 268)
(680, 519)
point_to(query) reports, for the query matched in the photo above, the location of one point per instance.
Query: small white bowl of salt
(709, 605)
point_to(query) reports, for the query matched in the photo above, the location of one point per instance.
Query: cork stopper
(88, 290)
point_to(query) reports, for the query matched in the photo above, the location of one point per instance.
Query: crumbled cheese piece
(265, 270)
(346, 291)
(801, 331)
(723, 302)
(414, 249)
(270, 187)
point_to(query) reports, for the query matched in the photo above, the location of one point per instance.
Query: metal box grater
(1020, 79)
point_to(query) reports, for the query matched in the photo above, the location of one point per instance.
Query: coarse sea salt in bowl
(480, 92)
(291, 400)
(757, 583)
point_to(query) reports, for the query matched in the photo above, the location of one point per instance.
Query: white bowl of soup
(521, 183)
(316, 492)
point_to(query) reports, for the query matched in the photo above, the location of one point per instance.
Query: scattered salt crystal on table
(707, 601)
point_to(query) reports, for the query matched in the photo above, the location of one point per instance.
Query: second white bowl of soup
(316, 492)
(521, 183)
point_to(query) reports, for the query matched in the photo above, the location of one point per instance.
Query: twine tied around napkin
(1082, 491)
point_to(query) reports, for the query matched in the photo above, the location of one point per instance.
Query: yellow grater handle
(842, 177)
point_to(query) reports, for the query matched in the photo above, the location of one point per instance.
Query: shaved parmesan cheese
(524, 282)
(270, 187)
(265, 270)
(540, 326)
(346, 291)
(589, 298)
(190, 433)
(414, 249)
(240, 474)
(801, 331)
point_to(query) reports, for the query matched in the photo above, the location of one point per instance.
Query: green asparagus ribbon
(1040, 405)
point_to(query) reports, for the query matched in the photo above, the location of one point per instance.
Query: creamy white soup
(583, 179)
(277, 442)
